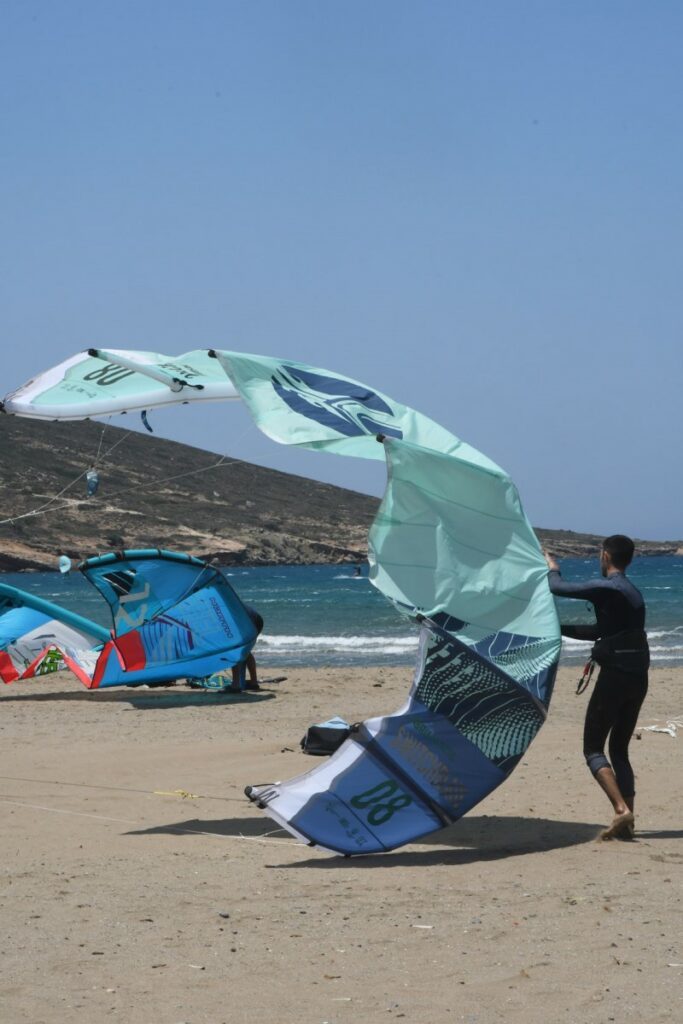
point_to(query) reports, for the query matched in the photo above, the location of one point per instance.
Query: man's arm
(598, 592)
(590, 590)
(585, 591)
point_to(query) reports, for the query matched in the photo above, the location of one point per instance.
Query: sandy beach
(139, 885)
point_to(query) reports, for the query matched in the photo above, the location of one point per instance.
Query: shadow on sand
(254, 827)
(145, 700)
(473, 839)
(205, 698)
(671, 833)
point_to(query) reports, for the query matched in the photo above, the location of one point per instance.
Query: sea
(325, 614)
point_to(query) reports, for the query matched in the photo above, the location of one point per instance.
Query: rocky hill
(157, 493)
(566, 544)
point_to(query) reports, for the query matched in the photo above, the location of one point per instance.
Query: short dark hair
(620, 550)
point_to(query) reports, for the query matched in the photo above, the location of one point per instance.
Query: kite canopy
(34, 632)
(450, 547)
(173, 616)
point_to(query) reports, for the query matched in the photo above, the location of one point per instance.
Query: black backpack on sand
(325, 737)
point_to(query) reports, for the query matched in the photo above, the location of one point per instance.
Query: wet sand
(139, 885)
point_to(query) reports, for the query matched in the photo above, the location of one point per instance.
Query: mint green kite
(450, 547)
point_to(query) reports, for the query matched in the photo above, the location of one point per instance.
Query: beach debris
(197, 967)
(670, 728)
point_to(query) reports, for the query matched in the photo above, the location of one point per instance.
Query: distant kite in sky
(450, 547)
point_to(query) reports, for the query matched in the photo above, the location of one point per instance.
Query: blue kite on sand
(34, 632)
(173, 616)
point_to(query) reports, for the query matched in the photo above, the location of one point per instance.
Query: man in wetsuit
(622, 653)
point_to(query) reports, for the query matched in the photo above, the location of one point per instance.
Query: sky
(474, 207)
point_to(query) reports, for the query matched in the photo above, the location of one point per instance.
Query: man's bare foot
(621, 823)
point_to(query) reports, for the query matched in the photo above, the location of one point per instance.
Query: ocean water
(323, 614)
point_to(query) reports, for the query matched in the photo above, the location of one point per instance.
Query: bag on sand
(325, 737)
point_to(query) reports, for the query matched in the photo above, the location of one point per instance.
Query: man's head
(617, 553)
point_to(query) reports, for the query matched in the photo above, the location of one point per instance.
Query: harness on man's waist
(626, 652)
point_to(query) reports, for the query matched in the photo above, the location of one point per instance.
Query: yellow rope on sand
(182, 793)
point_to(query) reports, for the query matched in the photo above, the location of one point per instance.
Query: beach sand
(139, 885)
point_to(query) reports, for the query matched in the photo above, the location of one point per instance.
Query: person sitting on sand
(249, 663)
(623, 655)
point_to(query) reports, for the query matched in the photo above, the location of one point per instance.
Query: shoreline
(34, 563)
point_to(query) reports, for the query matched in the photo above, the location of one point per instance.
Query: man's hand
(551, 562)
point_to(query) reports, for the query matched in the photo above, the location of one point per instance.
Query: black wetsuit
(621, 687)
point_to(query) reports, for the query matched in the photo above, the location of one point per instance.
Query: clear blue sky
(473, 206)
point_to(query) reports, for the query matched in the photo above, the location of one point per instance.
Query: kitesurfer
(621, 651)
(248, 666)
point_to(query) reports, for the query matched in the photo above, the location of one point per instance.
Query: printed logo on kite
(350, 409)
(108, 374)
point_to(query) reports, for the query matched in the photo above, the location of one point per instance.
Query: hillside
(236, 512)
(566, 544)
